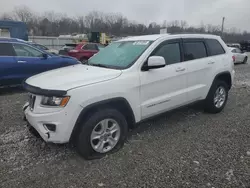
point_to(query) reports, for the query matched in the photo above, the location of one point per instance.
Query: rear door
(31, 60)
(9, 69)
(199, 68)
(203, 58)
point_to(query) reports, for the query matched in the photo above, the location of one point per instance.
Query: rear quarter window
(214, 47)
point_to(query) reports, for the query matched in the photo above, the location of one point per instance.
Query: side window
(6, 49)
(41, 47)
(26, 51)
(194, 50)
(234, 50)
(215, 47)
(170, 52)
(89, 47)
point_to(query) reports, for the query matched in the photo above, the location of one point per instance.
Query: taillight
(233, 58)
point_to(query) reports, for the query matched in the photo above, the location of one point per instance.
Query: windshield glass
(119, 54)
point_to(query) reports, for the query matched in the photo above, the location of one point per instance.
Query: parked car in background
(234, 45)
(20, 60)
(240, 56)
(131, 80)
(245, 46)
(66, 48)
(52, 51)
(84, 51)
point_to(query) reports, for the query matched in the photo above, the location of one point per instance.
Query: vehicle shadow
(172, 117)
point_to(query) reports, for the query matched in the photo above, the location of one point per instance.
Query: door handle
(21, 61)
(212, 62)
(179, 69)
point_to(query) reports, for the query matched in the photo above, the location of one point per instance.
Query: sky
(195, 12)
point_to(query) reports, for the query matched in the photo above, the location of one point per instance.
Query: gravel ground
(185, 148)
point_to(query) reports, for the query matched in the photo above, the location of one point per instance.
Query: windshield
(119, 55)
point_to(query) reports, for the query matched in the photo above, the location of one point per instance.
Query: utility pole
(222, 26)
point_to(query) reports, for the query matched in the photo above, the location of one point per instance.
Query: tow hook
(48, 134)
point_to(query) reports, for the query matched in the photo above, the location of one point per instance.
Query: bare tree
(53, 24)
(22, 13)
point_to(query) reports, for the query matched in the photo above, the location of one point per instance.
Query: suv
(133, 79)
(84, 51)
(20, 60)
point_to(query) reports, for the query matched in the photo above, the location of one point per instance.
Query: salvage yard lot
(184, 148)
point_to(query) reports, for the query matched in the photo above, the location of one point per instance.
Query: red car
(84, 51)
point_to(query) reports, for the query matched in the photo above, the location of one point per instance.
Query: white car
(129, 81)
(240, 56)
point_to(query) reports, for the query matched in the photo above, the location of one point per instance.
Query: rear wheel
(217, 97)
(102, 133)
(245, 60)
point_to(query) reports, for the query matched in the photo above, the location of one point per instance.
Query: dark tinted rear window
(6, 49)
(90, 47)
(194, 50)
(215, 47)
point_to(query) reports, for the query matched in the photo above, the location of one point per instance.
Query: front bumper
(60, 119)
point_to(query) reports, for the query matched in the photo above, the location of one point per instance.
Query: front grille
(32, 99)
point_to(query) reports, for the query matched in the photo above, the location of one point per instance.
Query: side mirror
(45, 56)
(155, 62)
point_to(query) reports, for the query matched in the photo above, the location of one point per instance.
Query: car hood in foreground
(72, 76)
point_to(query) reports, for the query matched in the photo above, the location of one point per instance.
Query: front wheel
(102, 133)
(217, 97)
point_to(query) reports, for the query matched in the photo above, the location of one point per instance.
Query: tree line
(55, 24)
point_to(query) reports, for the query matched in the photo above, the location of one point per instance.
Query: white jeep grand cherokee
(129, 81)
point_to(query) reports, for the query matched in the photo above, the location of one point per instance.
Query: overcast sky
(237, 12)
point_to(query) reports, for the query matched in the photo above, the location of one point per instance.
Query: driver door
(31, 60)
(164, 89)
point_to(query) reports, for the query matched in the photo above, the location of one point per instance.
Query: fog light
(50, 127)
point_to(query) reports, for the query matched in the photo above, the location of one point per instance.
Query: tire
(245, 60)
(84, 60)
(84, 142)
(210, 104)
(33, 131)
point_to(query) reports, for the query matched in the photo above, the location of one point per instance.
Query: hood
(73, 76)
(62, 56)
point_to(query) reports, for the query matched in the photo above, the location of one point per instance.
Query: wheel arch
(119, 103)
(224, 76)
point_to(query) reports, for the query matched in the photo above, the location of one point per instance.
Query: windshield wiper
(99, 65)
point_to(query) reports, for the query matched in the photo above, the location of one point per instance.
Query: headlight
(55, 101)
